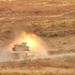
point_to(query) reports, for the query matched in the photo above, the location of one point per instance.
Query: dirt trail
(50, 56)
(62, 55)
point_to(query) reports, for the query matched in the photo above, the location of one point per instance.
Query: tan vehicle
(21, 52)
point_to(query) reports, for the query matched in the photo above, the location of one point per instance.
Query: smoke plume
(36, 44)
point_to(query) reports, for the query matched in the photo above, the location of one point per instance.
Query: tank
(21, 52)
(21, 47)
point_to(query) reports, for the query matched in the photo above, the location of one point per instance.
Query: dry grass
(54, 66)
(54, 21)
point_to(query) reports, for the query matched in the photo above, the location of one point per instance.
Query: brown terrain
(53, 20)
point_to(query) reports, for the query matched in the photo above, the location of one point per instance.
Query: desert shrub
(43, 35)
(52, 35)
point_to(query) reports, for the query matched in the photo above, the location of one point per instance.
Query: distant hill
(46, 18)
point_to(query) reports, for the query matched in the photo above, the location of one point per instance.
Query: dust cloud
(37, 46)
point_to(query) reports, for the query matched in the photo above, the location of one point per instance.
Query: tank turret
(21, 47)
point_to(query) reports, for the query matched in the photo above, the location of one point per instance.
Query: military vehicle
(21, 52)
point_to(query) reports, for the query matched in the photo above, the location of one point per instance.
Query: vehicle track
(61, 55)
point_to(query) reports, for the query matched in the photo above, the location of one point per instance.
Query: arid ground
(52, 20)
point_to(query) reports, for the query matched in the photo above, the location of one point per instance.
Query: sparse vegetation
(40, 67)
(54, 21)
